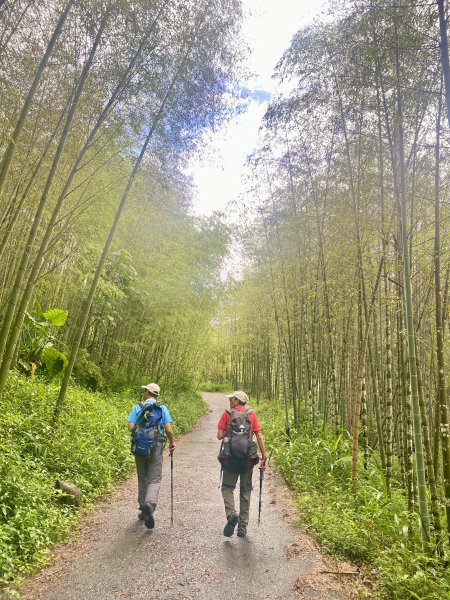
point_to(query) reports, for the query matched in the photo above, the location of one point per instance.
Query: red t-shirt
(225, 419)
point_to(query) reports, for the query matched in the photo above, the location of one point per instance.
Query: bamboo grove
(101, 103)
(343, 310)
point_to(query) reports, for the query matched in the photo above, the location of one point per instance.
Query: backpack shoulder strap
(158, 405)
(145, 408)
(230, 412)
(248, 412)
(141, 415)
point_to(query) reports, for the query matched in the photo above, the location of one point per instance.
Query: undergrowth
(214, 386)
(369, 527)
(90, 447)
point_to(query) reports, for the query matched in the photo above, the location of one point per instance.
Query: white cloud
(218, 170)
(268, 28)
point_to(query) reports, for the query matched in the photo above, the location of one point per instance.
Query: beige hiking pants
(245, 490)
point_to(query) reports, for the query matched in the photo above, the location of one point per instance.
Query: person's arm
(170, 436)
(262, 448)
(133, 417)
(222, 425)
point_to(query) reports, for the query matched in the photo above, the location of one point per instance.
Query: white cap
(241, 396)
(153, 388)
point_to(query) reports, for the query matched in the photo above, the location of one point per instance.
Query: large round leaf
(56, 316)
(55, 361)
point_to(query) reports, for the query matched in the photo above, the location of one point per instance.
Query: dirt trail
(116, 557)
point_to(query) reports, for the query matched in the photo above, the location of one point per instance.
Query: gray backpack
(237, 441)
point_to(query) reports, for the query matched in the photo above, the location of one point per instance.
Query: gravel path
(116, 557)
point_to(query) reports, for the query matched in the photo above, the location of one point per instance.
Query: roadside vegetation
(371, 528)
(211, 386)
(89, 447)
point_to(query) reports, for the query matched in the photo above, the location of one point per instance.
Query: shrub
(87, 373)
(213, 386)
(185, 408)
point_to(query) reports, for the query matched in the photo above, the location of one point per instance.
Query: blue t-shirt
(136, 411)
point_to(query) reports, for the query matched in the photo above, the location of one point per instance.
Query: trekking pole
(221, 467)
(261, 477)
(171, 488)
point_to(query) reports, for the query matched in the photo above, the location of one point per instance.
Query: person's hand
(172, 447)
(263, 463)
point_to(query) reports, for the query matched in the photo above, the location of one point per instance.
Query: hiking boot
(242, 530)
(149, 520)
(233, 520)
(141, 515)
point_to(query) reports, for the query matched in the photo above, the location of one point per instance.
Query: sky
(268, 28)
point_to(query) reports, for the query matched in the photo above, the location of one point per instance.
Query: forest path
(116, 557)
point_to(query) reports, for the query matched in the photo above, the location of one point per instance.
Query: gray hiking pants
(229, 481)
(149, 472)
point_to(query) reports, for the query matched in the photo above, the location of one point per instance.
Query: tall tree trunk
(445, 62)
(12, 145)
(280, 335)
(434, 496)
(442, 388)
(409, 313)
(361, 382)
(11, 220)
(8, 344)
(88, 303)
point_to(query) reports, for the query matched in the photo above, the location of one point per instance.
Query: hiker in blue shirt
(149, 461)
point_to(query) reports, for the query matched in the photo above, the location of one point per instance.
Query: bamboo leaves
(348, 147)
(130, 89)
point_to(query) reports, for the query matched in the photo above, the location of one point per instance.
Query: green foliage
(185, 408)
(87, 373)
(214, 386)
(90, 447)
(37, 345)
(54, 361)
(368, 527)
(406, 575)
(155, 297)
(55, 316)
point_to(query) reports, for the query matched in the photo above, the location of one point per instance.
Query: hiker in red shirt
(238, 456)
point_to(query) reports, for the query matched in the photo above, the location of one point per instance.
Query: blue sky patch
(259, 95)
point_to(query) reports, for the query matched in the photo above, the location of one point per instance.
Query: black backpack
(146, 434)
(238, 447)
